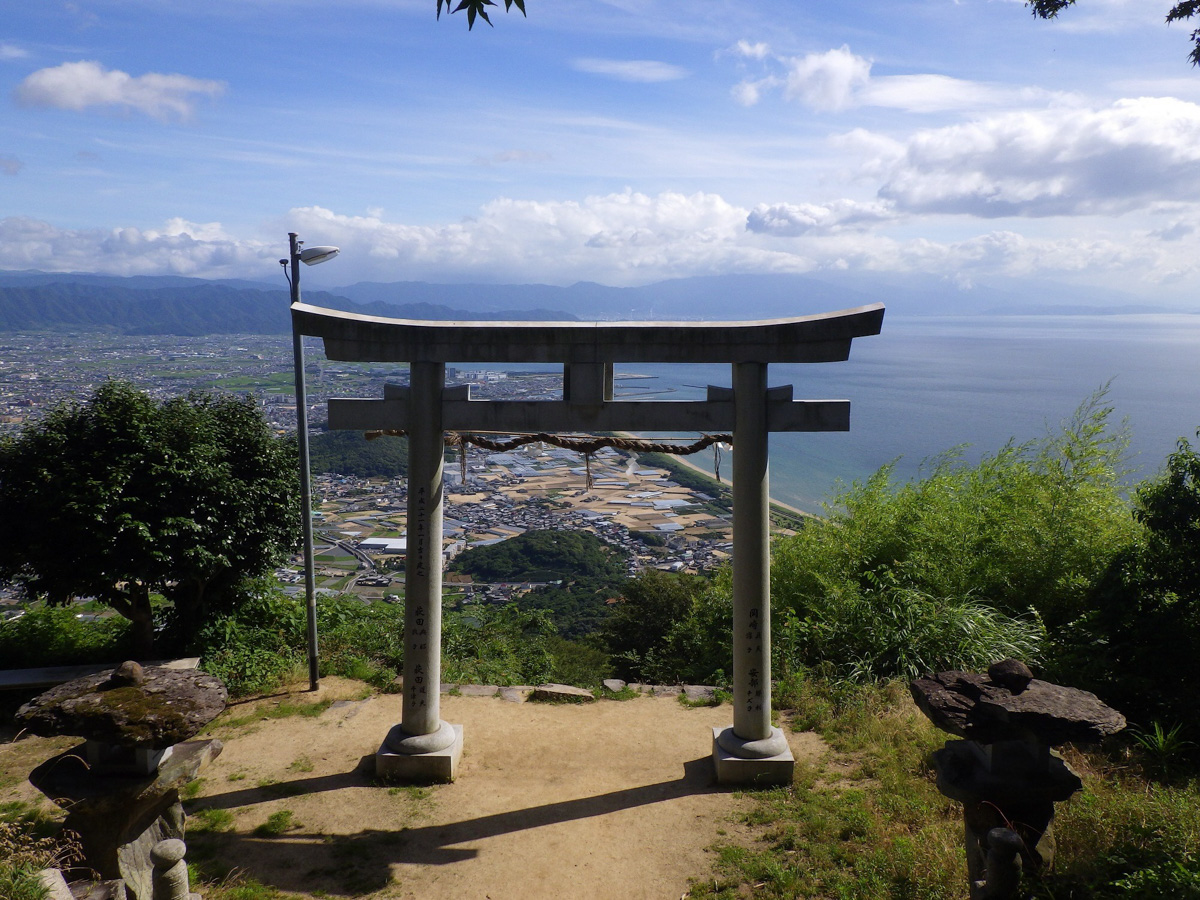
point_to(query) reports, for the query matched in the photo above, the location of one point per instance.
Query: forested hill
(187, 307)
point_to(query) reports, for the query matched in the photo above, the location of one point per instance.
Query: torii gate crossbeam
(422, 746)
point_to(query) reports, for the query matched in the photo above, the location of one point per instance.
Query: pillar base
(437, 766)
(768, 771)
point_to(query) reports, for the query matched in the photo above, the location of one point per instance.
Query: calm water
(925, 385)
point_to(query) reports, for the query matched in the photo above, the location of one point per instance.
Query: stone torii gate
(424, 747)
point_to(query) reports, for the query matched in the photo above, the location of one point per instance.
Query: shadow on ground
(352, 864)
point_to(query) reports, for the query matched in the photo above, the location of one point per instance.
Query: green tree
(663, 627)
(1138, 642)
(1049, 9)
(123, 496)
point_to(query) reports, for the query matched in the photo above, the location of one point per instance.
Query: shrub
(52, 636)
(962, 566)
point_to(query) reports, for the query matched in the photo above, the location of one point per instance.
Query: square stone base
(440, 766)
(768, 772)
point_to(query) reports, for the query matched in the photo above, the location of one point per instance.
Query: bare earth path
(603, 800)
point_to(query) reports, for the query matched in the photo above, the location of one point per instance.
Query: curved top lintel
(824, 337)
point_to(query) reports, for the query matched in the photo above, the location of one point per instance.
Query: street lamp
(311, 257)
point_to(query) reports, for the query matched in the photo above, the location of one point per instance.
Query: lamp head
(310, 256)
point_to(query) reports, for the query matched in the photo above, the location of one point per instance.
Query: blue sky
(618, 141)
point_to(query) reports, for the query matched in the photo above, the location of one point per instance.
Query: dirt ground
(603, 800)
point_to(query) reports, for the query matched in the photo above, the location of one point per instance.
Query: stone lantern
(121, 787)
(1005, 771)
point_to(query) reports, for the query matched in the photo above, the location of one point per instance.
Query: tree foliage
(349, 453)
(1138, 642)
(477, 8)
(124, 496)
(1186, 9)
(543, 555)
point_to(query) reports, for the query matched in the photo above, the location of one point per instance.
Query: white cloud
(791, 220)
(619, 239)
(180, 248)
(12, 51)
(641, 70)
(10, 165)
(826, 81)
(1055, 162)
(757, 50)
(839, 79)
(79, 85)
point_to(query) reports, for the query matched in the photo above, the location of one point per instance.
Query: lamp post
(311, 257)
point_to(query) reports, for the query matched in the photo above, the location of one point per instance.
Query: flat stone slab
(156, 709)
(700, 693)
(516, 694)
(562, 693)
(975, 707)
(616, 685)
(478, 690)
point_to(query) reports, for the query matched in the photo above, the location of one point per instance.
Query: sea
(928, 385)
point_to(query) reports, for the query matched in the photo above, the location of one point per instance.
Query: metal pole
(310, 584)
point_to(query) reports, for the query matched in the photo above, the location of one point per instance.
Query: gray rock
(665, 690)
(54, 883)
(616, 685)
(516, 694)
(167, 707)
(699, 693)
(99, 890)
(1010, 673)
(974, 707)
(562, 693)
(478, 690)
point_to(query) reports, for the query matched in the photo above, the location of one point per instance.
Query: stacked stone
(1004, 771)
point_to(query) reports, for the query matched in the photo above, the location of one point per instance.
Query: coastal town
(654, 521)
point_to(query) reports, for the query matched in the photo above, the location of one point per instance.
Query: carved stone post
(752, 751)
(423, 747)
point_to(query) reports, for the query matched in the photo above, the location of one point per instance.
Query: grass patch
(192, 789)
(302, 764)
(277, 823)
(210, 820)
(284, 709)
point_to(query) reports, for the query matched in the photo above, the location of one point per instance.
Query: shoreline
(700, 470)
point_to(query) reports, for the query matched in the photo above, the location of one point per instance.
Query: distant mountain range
(40, 301)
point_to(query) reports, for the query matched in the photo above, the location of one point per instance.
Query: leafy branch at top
(477, 8)
(1185, 9)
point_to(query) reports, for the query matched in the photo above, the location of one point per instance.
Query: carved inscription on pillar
(754, 646)
(422, 535)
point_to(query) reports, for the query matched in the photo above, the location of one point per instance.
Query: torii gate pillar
(423, 747)
(752, 750)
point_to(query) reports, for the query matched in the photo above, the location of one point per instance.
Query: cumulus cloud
(620, 238)
(826, 81)
(791, 220)
(78, 85)
(758, 50)
(10, 165)
(179, 248)
(641, 70)
(839, 79)
(1055, 162)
